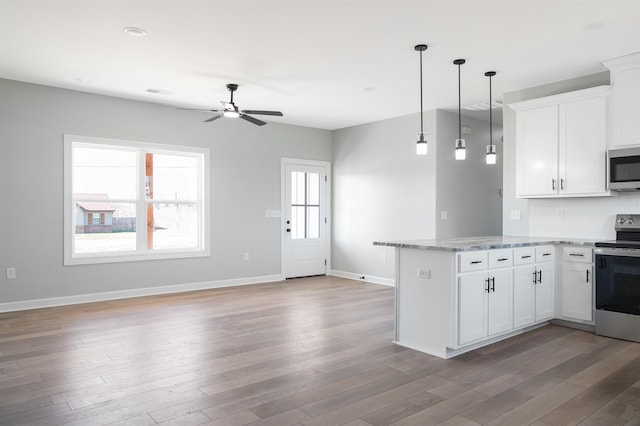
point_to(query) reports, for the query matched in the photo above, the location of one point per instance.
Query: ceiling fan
(231, 110)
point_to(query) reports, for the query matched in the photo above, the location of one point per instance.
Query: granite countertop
(482, 243)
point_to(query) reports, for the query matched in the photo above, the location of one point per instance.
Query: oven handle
(606, 251)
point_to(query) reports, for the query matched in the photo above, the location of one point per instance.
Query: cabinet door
(500, 303)
(544, 291)
(577, 291)
(472, 307)
(524, 296)
(583, 146)
(537, 151)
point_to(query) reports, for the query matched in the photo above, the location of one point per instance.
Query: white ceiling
(325, 64)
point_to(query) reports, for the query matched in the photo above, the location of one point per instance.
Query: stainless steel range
(617, 266)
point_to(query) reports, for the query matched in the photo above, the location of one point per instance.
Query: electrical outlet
(425, 274)
(11, 273)
(246, 256)
(515, 214)
(444, 215)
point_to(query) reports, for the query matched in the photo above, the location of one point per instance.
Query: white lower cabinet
(576, 284)
(533, 287)
(484, 304)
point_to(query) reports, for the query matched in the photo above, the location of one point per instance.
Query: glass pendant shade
(491, 154)
(461, 152)
(421, 145)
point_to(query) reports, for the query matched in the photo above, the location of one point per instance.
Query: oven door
(618, 280)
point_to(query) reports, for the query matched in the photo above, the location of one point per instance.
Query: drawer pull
(546, 254)
(502, 259)
(475, 262)
(526, 256)
(577, 254)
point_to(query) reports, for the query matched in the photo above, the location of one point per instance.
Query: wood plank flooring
(312, 351)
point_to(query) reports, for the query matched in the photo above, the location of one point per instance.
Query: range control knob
(621, 221)
(629, 221)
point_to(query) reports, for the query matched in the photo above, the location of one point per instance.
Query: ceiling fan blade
(215, 117)
(252, 120)
(259, 112)
(198, 109)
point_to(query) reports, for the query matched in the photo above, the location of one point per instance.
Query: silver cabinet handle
(553, 184)
(526, 256)
(577, 254)
(562, 184)
(475, 262)
(502, 259)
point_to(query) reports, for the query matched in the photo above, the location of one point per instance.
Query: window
(305, 205)
(129, 201)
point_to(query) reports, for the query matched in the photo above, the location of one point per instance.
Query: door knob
(288, 229)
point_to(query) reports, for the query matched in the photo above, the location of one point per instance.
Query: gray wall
(522, 226)
(468, 191)
(383, 191)
(245, 180)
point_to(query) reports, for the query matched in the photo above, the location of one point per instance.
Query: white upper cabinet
(561, 145)
(625, 100)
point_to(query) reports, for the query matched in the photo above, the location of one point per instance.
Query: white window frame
(141, 254)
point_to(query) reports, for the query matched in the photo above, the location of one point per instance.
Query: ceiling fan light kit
(231, 110)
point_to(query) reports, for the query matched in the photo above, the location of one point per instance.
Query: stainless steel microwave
(624, 169)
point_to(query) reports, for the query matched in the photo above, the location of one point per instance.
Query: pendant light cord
(459, 107)
(421, 112)
(490, 113)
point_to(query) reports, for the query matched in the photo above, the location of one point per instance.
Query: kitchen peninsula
(456, 295)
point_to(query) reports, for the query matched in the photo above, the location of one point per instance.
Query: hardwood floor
(313, 351)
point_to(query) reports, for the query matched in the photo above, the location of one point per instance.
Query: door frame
(284, 161)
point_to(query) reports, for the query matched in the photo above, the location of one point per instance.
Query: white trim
(360, 277)
(70, 258)
(139, 292)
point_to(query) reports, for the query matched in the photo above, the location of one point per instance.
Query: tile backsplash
(590, 218)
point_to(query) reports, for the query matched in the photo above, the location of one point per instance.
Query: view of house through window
(133, 199)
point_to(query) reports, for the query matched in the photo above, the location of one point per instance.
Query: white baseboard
(138, 292)
(360, 277)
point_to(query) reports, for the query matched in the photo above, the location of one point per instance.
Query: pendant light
(421, 145)
(461, 151)
(491, 148)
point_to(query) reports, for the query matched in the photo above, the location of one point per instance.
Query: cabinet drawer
(472, 261)
(544, 253)
(577, 254)
(500, 258)
(524, 255)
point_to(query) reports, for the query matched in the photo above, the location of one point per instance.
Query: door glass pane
(297, 222)
(297, 187)
(313, 188)
(313, 222)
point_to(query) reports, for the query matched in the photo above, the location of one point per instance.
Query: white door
(500, 314)
(524, 278)
(304, 220)
(472, 307)
(577, 290)
(544, 292)
(537, 151)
